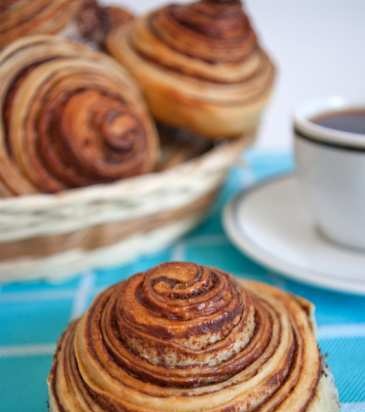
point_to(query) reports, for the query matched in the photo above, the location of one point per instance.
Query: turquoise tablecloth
(32, 315)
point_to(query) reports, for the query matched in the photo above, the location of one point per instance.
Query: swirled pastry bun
(70, 117)
(186, 338)
(20, 18)
(200, 65)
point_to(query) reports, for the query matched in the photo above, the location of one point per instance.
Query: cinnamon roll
(185, 338)
(20, 18)
(70, 117)
(200, 65)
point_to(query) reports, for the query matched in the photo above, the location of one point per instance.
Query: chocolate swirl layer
(200, 65)
(183, 337)
(70, 117)
(20, 18)
(95, 21)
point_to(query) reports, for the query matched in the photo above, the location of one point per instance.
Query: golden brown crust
(200, 66)
(70, 117)
(184, 337)
(20, 18)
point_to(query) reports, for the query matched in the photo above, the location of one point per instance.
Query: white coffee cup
(331, 168)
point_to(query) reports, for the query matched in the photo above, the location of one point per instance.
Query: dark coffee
(352, 120)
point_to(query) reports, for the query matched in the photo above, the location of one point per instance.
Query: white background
(318, 46)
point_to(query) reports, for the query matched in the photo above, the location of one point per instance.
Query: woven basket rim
(103, 190)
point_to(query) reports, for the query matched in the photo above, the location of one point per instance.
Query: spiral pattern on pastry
(200, 66)
(20, 18)
(184, 338)
(70, 117)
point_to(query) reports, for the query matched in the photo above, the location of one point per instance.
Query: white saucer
(270, 223)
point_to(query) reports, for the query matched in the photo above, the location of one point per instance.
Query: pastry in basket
(185, 338)
(78, 19)
(200, 65)
(20, 18)
(71, 117)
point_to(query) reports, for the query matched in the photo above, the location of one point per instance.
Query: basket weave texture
(53, 236)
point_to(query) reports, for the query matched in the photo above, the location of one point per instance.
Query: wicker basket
(53, 236)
